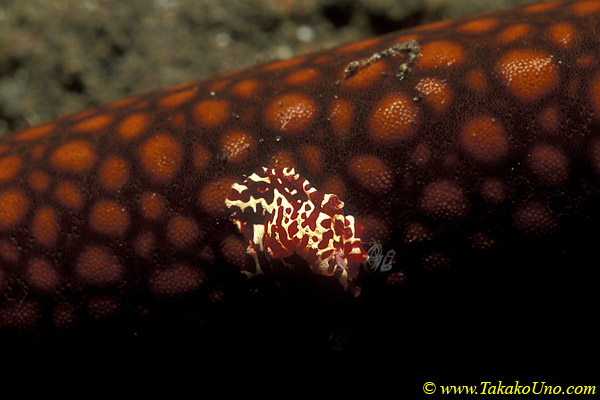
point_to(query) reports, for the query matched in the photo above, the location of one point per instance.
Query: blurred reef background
(59, 57)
